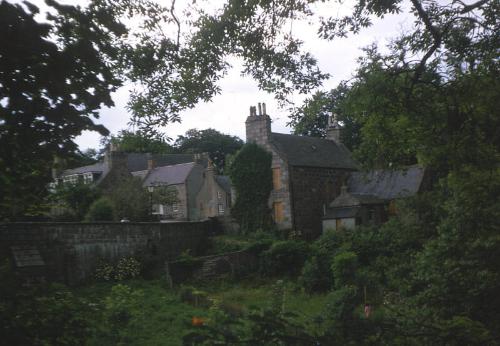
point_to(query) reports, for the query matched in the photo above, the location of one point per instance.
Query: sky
(228, 110)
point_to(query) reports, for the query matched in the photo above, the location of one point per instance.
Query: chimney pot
(260, 109)
(264, 109)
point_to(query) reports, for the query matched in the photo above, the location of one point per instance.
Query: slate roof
(312, 152)
(95, 168)
(341, 213)
(138, 161)
(168, 175)
(386, 184)
(224, 181)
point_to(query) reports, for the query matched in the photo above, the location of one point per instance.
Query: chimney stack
(258, 126)
(333, 130)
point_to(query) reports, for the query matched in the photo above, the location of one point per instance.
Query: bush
(344, 268)
(285, 257)
(101, 210)
(41, 314)
(316, 274)
(194, 297)
(259, 246)
(126, 268)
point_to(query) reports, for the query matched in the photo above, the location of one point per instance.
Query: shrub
(259, 246)
(316, 274)
(285, 257)
(191, 295)
(126, 268)
(344, 268)
(40, 315)
(101, 210)
(121, 308)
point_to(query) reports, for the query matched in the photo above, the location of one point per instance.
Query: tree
(139, 142)
(311, 119)
(55, 76)
(69, 199)
(101, 210)
(251, 176)
(130, 200)
(216, 144)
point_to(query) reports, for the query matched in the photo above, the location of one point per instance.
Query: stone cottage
(214, 196)
(200, 193)
(308, 172)
(370, 197)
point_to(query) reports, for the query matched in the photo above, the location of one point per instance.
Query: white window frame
(221, 209)
(88, 178)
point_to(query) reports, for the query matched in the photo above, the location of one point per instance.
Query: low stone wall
(71, 251)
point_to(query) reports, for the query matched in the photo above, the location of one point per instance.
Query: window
(157, 209)
(88, 178)
(278, 212)
(219, 194)
(71, 179)
(277, 178)
(221, 209)
(175, 208)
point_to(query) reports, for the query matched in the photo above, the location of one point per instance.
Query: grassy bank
(139, 312)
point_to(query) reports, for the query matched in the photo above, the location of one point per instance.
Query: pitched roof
(346, 199)
(341, 213)
(95, 168)
(168, 175)
(312, 151)
(139, 161)
(224, 181)
(386, 184)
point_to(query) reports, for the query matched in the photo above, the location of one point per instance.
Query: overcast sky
(227, 112)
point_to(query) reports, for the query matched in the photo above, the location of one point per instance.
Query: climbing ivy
(251, 176)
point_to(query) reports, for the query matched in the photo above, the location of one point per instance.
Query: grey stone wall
(209, 197)
(258, 130)
(71, 251)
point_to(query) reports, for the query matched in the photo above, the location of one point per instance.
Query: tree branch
(436, 35)
(468, 8)
(172, 9)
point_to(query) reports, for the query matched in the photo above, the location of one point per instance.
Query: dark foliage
(251, 176)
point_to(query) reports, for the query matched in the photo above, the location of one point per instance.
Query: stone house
(370, 197)
(214, 196)
(308, 172)
(187, 174)
(185, 179)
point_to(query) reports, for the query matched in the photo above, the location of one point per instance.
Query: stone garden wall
(71, 251)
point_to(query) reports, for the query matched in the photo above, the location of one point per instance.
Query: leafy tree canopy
(217, 144)
(139, 142)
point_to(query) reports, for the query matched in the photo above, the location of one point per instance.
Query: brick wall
(71, 251)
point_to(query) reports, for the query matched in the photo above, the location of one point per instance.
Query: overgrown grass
(158, 317)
